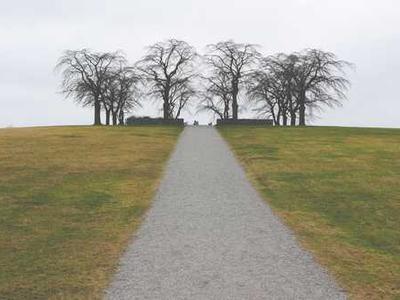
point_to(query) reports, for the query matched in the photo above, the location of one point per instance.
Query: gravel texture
(209, 235)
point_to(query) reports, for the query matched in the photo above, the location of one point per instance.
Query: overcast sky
(33, 34)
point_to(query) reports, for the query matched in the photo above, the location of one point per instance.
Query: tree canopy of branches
(320, 81)
(216, 95)
(85, 73)
(229, 65)
(290, 86)
(168, 71)
(266, 89)
(121, 94)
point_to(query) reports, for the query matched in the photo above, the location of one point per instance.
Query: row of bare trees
(288, 88)
(99, 80)
(284, 87)
(229, 77)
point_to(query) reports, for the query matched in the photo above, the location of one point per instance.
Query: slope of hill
(70, 199)
(339, 190)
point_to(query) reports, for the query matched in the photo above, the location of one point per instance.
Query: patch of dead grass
(71, 198)
(337, 189)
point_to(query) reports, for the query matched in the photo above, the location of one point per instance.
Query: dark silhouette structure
(251, 122)
(153, 121)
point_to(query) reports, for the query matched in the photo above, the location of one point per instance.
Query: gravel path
(209, 235)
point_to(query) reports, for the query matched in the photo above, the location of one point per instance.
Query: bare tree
(267, 90)
(181, 94)
(320, 81)
(84, 75)
(286, 86)
(272, 88)
(121, 94)
(216, 95)
(283, 69)
(109, 95)
(128, 94)
(168, 69)
(233, 61)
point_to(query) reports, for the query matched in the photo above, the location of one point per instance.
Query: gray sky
(33, 35)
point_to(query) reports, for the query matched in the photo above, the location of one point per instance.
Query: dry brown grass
(70, 199)
(338, 189)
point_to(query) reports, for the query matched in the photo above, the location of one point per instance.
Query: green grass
(70, 199)
(339, 190)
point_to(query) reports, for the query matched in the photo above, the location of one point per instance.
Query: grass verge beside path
(70, 199)
(339, 190)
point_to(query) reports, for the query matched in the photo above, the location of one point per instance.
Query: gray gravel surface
(209, 235)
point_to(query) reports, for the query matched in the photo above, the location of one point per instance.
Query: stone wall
(153, 121)
(252, 122)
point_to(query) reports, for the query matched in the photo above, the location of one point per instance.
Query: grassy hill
(339, 190)
(70, 199)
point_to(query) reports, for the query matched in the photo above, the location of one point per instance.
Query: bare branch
(168, 70)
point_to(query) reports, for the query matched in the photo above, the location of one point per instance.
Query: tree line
(229, 78)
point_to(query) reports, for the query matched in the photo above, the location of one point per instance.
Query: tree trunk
(289, 108)
(226, 111)
(278, 118)
(108, 117)
(284, 118)
(166, 110)
(274, 117)
(114, 118)
(235, 109)
(302, 110)
(293, 118)
(302, 117)
(235, 106)
(97, 112)
(121, 118)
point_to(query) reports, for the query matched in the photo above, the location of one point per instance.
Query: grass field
(339, 190)
(70, 199)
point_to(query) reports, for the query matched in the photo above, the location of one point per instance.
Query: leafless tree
(181, 94)
(84, 75)
(272, 88)
(168, 71)
(121, 94)
(281, 74)
(233, 62)
(266, 90)
(109, 95)
(216, 95)
(320, 81)
(285, 86)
